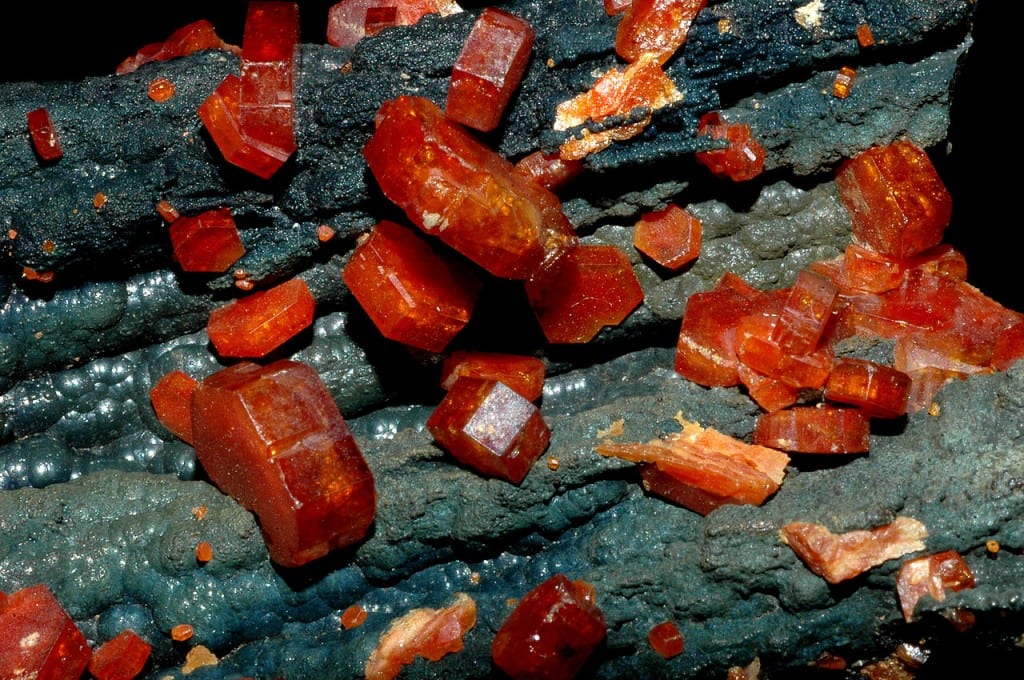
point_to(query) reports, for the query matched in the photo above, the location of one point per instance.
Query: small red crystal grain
(38, 639)
(865, 38)
(413, 294)
(665, 639)
(488, 69)
(353, 617)
(258, 324)
(549, 170)
(741, 160)
(655, 26)
(815, 429)
(590, 287)
(193, 37)
(172, 401)
(167, 211)
(524, 374)
(756, 349)
(160, 90)
(182, 632)
(120, 658)
(931, 575)
(880, 391)
(272, 438)
(671, 237)
(551, 633)
(44, 135)
(208, 242)
(488, 426)
(843, 81)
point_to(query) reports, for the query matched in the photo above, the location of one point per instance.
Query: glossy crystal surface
(171, 397)
(38, 639)
(807, 311)
(120, 658)
(259, 323)
(741, 160)
(665, 639)
(671, 236)
(43, 135)
(524, 374)
(208, 242)
(815, 429)
(424, 632)
(193, 37)
(549, 170)
(931, 575)
(879, 391)
(658, 27)
(349, 21)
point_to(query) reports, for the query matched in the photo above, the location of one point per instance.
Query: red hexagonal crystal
(590, 287)
(490, 427)
(815, 429)
(259, 323)
(193, 37)
(666, 639)
(43, 135)
(38, 639)
(451, 185)
(412, 293)
(350, 20)
(880, 391)
(551, 632)
(489, 69)
(897, 201)
(671, 237)
(273, 439)
(172, 401)
(742, 160)
(207, 242)
(120, 658)
(931, 575)
(655, 26)
(524, 374)
(807, 311)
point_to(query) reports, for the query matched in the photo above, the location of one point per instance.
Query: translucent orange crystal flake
(257, 324)
(931, 575)
(172, 401)
(451, 185)
(488, 426)
(552, 631)
(657, 27)
(350, 20)
(193, 37)
(207, 242)
(880, 391)
(204, 552)
(665, 639)
(671, 237)
(524, 374)
(843, 81)
(44, 135)
(756, 349)
(429, 633)
(272, 438)
(616, 7)
(741, 160)
(160, 90)
(412, 293)
(896, 199)
(807, 311)
(864, 36)
(489, 69)
(815, 429)
(839, 557)
(353, 617)
(120, 658)
(549, 170)
(37, 637)
(182, 632)
(167, 211)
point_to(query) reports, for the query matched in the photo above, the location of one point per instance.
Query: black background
(48, 42)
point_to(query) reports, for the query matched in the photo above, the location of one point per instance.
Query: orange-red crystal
(658, 27)
(931, 575)
(524, 374)
(843, 81)
(44, 135)
(193, 37)
(815, 429)
(665, 639)
(671, 237)
(549, 170)
(160, 90)
(349, 21)
(120, 658)
(172, 401)
(741, 160)
(880, 391)
(257, 324)
(807, 311)
(208, 242)
(38, 639)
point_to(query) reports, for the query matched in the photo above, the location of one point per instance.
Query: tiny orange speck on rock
(244, 284)
(161, 89)
(474, 578)
(324, 233)
(199, 511)
(553, 463)
(864, 36)
(12, 234)
(167, 211)
(934, 409)
(204, 551)
(99, 200)
(30, 274)
(182, 632)
(843, 82)
(353, 617)
(49, 246)
(992, 545)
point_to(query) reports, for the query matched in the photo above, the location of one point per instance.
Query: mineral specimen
(815, 429)
(193, 37)
(665, 639)
(671, 236)
(259, 323)
(349, 21)
(172, 402)
(207, 242)
(931, 575)
(120, 658)
(37, 637)
(657, 27)
(524, 374)
(880, 391)
(741, 160)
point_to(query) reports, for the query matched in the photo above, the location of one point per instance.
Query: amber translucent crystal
(44, 135)
(843, 81)
(942, 259)
(925, 385)
(671, 236)
(171, 397)
(412, 293)
(769, 393)
(865, 270)
(756, 349)
(349, 21)
(1008, 347)
(273, 439)
(549, 170)
(839, 557)
(879, 391)
(259, 323)
(193, 37)
(160, 90)
(182, 632)
(741, 160)
(865, 38)
(931, 575)
(38, 639)
(815, 429)
(379, 18)
(896, 199)
(490, 427)
(551, 633)
(665, 639)
(120, 658)
(807, 311)
(615, 7)
(425, 632)
(657, 27)
(453, 186)
(207, 242)
(489, 69)
(590, 287)
(167, 211)
(353, 617)
(524, 374)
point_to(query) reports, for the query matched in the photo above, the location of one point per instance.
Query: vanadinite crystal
(207, 242)
(120, 658)
(741, 160)
(524, 374)
(350, 20)
(815, 429)
(671, 237)
(805, 314)
(666, 639)
(273, 439)
(897, 201)
(549, 170)
(425, 632)
(412, 293)
(172, 402)
(880, 391)
(590, 287)
(488, 69)
(451, 185)
(490, 427)
(655, 26)
(38, 639)
(43, 135)
(259, 323)
(551, 633)
(931, 575)
(193, 37)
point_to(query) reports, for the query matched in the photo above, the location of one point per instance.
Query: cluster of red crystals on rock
(485, 424)
(931, 575)
(425, 632)
(588, 288)
(273, 439)
(665, 639)
(194, 37)
(120, 658)
(350, 20)
(44, 135)
(413, 294)
(451, 185)
(38, 639)
(741, 160)
(207, 242)
(523, 374)
(172, 402)
(657, 27)
(489, 68)
(838, 557)
(251, 117)
(671, 237)
(551, 633)
(702, 469)
(257, 324)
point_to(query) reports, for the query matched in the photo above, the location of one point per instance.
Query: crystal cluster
(523, 374)
(931, 575)
(657, 27)
(743, 157)
(671, 236)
